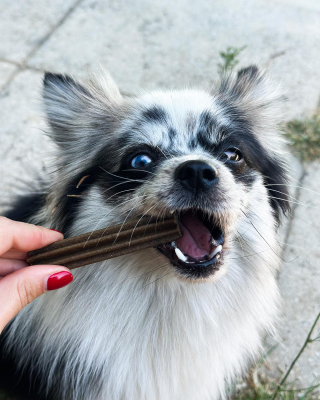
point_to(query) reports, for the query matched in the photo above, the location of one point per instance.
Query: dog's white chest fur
(159, 338)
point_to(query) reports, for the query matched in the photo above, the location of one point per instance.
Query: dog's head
(215, 159)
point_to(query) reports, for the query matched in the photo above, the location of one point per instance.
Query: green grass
(304, 137)
(230, 58)
(265, 392)
(256, 390)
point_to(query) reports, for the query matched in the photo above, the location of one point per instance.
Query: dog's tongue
(196, 238)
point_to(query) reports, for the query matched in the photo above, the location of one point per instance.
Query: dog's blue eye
(140, 161)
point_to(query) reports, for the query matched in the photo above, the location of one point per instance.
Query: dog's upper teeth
(173, 244)
(215, 251)
(180, 255)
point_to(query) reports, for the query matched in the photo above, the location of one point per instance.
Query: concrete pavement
(148, 44)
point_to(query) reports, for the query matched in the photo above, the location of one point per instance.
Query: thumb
(22, 287)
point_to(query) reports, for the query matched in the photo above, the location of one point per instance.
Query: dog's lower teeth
(216, 251)
(180, 255)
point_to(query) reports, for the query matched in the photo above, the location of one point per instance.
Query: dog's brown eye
(232, 154)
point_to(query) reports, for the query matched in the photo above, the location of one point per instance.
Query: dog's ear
(252, 97)
(257, 91)
(251, 90)
(79, 114)
(253, 104)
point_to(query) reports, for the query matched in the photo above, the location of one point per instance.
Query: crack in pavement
(24, 64)
(273, 56)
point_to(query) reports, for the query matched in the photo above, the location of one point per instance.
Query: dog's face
(212, 158)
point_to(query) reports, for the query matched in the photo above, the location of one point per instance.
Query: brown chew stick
(111, 242)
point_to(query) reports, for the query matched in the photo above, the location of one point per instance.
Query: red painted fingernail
(56, 231)
(59, 280)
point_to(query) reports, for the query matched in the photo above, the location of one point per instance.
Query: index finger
(16, 255)
(19, 236)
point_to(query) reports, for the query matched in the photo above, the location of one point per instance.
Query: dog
(183, 320)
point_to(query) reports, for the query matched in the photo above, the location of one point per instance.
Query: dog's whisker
(153, 145)
(255, 252)
(290, 178)
(120, 177)
(141, 170)
(138, 222)
(123, 224)
(304, 250)
(307, 222)
(108, 213)
(296, 187)
(132, 210)
(117, 184)
(118, 193)
(166, 155)
(291, 197)
(156, 280)
(293, 202)
(263, 237)
(248, 255)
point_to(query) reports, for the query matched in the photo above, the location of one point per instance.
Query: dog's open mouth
(198, 252)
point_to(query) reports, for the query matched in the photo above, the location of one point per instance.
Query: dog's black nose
(196, 176)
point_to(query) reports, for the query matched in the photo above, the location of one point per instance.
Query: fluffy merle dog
(176, 322)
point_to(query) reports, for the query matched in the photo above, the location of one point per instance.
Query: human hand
(20, 285)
